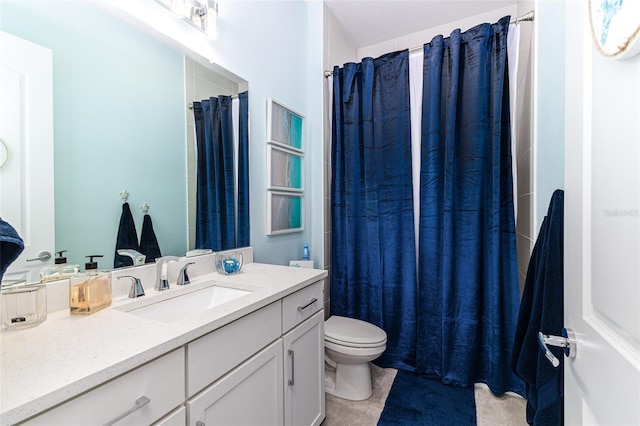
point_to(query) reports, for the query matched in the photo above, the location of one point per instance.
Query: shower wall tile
(327, 294)
(524, 218)
(326, 176)
(327, 287)
(524, 246)
(327, 249)
(327, 214)
(192, 238)
(225, 86)
(524, 178)
(521, 280)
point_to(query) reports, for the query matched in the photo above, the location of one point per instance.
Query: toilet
(350, 345)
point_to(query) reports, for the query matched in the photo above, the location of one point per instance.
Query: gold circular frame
(615, 27)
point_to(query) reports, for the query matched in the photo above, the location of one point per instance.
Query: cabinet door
(304, 373)
(251, 394)
(175, 418)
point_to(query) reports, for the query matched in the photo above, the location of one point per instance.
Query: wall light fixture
(202, 14)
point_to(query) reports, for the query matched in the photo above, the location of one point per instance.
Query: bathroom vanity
(255, 359)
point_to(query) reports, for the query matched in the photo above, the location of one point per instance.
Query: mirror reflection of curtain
(243, 231)
(217, 175)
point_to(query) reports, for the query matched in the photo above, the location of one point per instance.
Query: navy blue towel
(127, 238)
(11, 245)
(541, 309)
(148, 242)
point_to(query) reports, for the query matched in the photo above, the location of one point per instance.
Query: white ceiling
(368, 22)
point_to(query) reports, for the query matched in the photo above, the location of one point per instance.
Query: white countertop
(66, 355)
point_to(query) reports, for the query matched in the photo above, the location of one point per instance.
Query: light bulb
(178, 8)
(211, 20)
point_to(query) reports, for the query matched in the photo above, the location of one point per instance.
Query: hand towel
(148, 242)
(11, 245)
(127, 238)
(541, 309)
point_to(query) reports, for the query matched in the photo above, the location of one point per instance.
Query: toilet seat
(353, 333)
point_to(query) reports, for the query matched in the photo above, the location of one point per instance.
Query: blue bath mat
(425, 400)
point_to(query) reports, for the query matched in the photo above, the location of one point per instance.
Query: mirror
(120, 122)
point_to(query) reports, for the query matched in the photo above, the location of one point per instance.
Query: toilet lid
(352, 331)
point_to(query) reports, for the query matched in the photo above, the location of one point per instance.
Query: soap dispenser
(91, 291)
(60, 271)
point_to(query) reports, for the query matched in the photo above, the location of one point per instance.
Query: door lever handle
(43, 256)
(567, 341)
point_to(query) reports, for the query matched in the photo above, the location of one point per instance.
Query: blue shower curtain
(373, 262)
(469, 292)
(244, 229)
(215, 198)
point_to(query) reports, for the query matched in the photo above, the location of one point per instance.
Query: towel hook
(145, 208)
(124, 195)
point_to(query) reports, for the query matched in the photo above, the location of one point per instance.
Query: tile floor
(491, 410)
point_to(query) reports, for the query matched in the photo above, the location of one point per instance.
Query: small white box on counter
(301, 263)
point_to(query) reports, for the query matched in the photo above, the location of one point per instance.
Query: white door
(26, 128)
(602, 230)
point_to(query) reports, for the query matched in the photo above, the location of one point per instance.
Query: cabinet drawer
(213, 355)
(301, 305)
(161, 381)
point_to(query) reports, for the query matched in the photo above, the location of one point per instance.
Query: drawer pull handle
(140, 402)
(292, 355)
(200, 423)
(311, 302)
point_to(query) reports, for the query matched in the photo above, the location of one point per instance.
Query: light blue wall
(549, 89)
(119, 122)
(275, 45)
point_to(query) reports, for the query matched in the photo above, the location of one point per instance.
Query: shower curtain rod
(527, 17)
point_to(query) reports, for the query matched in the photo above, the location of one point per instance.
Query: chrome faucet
(136, 257)
(162, 283)
(137, 290)
(183, 278)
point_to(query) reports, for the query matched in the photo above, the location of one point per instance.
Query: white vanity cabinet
(282, 384)
(141, 396)
(262, 368)
(303, 338)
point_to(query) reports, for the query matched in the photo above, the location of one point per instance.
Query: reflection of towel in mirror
(11, 245)
(127, 237)
(148, 242)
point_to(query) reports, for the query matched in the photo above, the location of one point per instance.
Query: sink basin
(181, 307)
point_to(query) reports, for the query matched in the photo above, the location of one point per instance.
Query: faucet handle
(183, 278)
(136, 286)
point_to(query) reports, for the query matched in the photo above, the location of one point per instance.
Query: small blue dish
(229, 263)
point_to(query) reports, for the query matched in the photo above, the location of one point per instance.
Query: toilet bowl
(350, 345)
